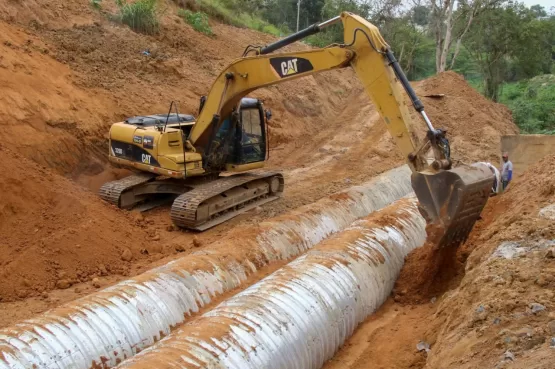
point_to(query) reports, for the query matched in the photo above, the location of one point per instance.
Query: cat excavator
(202, 162)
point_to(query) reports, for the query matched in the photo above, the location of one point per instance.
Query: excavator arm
(451, 199)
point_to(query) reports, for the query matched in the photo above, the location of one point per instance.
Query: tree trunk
(457, 50)
(439, 47)
(438, 13)
(459, 39)
(447, 39)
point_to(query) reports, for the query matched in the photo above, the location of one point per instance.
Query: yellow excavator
(199, 160)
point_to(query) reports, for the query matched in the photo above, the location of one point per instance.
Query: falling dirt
(427, 273)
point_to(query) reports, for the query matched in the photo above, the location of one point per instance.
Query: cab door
(251, 136)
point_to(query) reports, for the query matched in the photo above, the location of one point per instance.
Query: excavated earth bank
(67, 73)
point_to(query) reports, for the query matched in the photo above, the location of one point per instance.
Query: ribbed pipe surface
(102, 329)
(300, 315)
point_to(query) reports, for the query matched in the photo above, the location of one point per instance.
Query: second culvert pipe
(299, 316)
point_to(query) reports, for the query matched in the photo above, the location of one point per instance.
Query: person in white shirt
(507, 171)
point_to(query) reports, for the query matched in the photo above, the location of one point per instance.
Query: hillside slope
(67, 73)
(55, 234)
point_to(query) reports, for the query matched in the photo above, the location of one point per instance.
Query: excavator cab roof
(249, 102)
(145, 121)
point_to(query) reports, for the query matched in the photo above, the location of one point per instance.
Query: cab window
(253, 145)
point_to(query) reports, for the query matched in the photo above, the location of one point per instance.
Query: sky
(545, 3)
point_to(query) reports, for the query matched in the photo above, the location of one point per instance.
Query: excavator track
(210, 204)
(113, 191)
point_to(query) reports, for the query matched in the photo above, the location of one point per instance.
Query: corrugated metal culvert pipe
(299, 316)
(102, 329)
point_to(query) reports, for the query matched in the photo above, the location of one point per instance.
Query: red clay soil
(428, 272)
(386, 340)
(477, 312)
(55, 234)
(474, 124)
(67, 73)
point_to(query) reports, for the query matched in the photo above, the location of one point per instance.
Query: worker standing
(507, 171)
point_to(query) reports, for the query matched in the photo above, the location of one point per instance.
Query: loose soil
(482, 309)
(67, 73)
(56, 234)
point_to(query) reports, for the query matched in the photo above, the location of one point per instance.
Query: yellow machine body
(230, 135)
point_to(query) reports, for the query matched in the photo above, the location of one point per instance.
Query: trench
(105, 328)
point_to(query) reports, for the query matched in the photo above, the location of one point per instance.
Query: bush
(96, 4)
(532, 103)
(226, 11)
(197, 20)
(141, 16)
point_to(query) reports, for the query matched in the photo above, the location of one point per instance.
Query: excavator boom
(229, 135)
(451, 199)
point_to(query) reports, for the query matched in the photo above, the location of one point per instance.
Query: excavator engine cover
(452, 200)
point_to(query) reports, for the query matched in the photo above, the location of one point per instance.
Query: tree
(508, 42)
(538, 11)
(421, 15)
(449, 24)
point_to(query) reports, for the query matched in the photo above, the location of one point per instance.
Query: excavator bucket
(452, 200)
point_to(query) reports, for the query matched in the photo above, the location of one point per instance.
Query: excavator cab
(241, 142)
(250, 144)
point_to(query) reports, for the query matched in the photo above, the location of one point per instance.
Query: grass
(531, 101)
(96, 4)
(141, 16)
(197, 20)
(221, 11)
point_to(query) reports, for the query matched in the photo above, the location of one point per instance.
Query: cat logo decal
(288, 66)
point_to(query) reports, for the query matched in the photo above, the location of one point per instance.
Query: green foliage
(197, 20)
(96, 4)
(421, 15)
(467, 66)
(231, 12)
(532, 103)
(510, 42)
(332, 34)
(141, 16)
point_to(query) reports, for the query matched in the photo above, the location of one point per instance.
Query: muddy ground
(68, 72)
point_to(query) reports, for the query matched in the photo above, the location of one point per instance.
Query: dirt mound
(515, 214)
(54, 234)
(65, 83)
(474, 124)
(505, 301)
